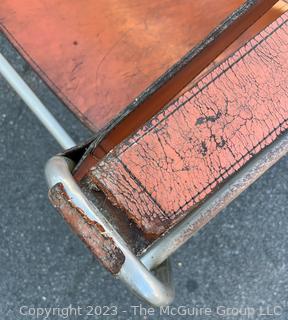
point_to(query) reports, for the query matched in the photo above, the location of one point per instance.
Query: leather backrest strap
(193, 146)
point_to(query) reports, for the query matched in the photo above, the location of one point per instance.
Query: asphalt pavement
(237, 265)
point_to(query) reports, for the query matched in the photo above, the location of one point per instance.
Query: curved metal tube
(133, 272)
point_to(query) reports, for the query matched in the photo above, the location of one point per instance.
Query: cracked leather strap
(195, 144)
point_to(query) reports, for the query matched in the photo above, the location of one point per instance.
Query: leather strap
(90, 232)
(193, 146)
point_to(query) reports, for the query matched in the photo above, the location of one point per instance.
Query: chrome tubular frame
(34, 104)
(133, 272)
(136, 271)
(58, 170)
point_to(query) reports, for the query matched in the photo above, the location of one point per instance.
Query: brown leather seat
(104, 57)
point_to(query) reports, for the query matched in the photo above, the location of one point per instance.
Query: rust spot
(100, 227)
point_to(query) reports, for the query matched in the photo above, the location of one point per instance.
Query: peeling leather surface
(90, 232)
(195, 144)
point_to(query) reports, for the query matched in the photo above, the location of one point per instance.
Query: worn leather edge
(90, 232)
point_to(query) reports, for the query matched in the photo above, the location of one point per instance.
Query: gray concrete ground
(239, 260)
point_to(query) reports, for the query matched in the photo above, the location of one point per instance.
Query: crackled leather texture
(91, 233)
(195, 144)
